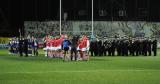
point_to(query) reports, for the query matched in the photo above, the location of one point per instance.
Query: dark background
(13, 13)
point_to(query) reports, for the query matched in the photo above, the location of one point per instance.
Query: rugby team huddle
(67, 47)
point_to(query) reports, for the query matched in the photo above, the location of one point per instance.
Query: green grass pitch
(99, 70)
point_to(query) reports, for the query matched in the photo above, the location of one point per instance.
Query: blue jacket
(66, 43)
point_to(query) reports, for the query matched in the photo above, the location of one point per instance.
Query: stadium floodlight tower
(92, 19)
(60, 18)
(60, 22)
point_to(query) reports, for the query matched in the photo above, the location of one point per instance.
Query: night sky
(13, 13)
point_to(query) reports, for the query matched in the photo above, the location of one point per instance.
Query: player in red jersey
(52, 48)
(84, 48)
(46, 44)
(58, 47)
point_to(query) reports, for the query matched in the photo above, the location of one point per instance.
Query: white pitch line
(84, 71)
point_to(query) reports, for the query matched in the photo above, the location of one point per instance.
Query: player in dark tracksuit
(105, 44)
(100, 49)
(95, 48)
(131, 47)
(35, 44)
(119, 47)
(149, 45)
(123, 48)
(154, 47)
(103, 48)
(109, 48)
(74, 45)
(137, 46)
(145, 47)
(20, 47)
(91, 48)
(113, 47)
(141, 47)
(25, 47)
(126, 47)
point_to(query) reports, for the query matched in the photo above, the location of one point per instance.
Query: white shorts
(52, 48)
(47, 48)
(58, 48)
(78, 48)
(83, 49)
(69, 48)
(55, 48)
